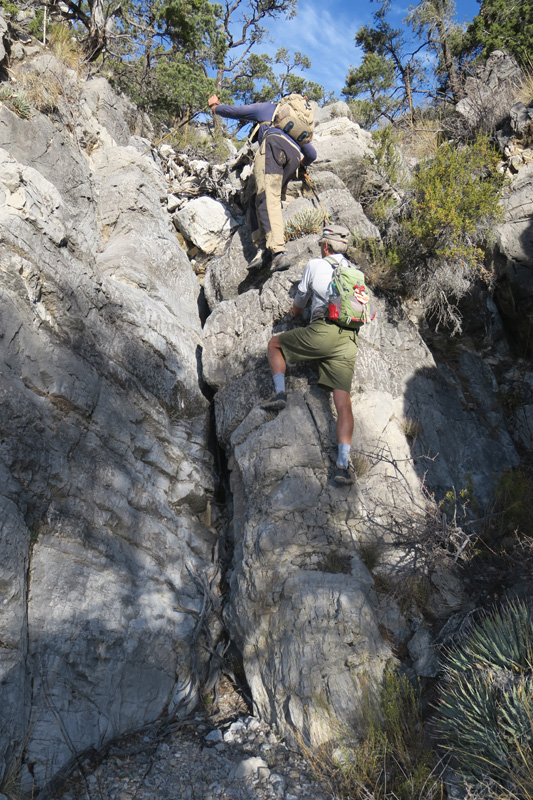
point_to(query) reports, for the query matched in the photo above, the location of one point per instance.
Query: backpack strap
(252, 136)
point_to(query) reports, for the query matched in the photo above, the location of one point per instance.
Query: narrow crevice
(203, 307)
(233, 666)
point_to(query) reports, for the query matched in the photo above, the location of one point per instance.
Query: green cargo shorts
(334, 348)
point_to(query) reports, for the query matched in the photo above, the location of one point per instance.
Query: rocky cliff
(119, 406)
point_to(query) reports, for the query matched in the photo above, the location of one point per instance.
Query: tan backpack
(294, 115)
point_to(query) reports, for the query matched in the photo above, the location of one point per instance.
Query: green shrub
(455, 194)
(10, 8)
(485, 713)
(362, 112)
(455, 206)
(436, 227)
(387, 158)
(36, 24)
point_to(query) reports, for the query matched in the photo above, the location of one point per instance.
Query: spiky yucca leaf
(486, 707)
(21, 105)
(502, 639)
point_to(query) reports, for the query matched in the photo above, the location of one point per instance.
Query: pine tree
(503, 25)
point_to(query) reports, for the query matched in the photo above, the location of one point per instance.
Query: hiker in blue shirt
(276, 162)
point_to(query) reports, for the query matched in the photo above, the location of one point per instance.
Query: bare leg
(276, 358)
(343, 404)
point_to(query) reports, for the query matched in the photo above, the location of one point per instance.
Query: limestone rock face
(338, 139)
(513, 257)
(106, 475)
(487, 92)
(302, 605)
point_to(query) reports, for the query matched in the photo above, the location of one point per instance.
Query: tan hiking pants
(275, 163)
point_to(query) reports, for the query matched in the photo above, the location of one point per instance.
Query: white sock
(279, 382)
(343, 454)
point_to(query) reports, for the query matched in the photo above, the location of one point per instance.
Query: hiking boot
(345, 475)
(276, 402)
(260, 257)
(280, 261)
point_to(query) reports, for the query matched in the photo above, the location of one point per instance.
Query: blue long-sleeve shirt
(263, 112)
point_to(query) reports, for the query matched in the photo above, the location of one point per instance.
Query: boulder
(338, 142)
(207, 223)
(487, 92)
(331, 111)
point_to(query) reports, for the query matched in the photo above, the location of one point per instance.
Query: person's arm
(309, 154)
(303, 293)
(254, 112)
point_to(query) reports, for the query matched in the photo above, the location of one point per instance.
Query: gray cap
(336, 234)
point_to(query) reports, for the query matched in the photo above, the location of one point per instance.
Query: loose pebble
(229, 755)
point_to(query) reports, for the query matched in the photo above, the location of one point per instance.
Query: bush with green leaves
(436, 224)
(454, 208)
(10, 8)
(485, 713)
(387, 158)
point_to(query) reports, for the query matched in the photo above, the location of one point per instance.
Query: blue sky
(326, 34)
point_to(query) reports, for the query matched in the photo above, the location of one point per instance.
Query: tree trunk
(453, 78)
(96, 39)
(408, 92)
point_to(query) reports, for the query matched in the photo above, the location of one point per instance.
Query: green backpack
(349, 301)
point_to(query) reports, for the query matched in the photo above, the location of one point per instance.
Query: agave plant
(16, 100)
(21, 105)
(308, 221)
(485, 714)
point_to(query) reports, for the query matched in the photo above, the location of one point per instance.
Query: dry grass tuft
(410, 428)
(42, 90)
(361, 464)
(46, 88)
(388, 758)
(522, 92)
(65, 47)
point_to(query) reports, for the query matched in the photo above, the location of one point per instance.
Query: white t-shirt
(315, 282)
